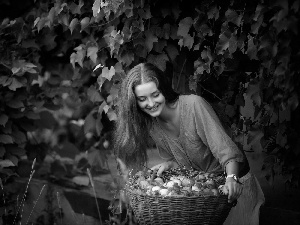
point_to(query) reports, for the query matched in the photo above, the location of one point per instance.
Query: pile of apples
(178, 182)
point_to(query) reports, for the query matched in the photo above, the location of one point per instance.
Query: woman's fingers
(160, 168)
(234, 191)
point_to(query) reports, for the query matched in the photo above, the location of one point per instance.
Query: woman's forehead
(145, 89)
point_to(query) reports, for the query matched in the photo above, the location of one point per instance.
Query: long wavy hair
(131, 134)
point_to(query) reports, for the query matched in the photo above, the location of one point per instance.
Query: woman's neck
(169, 113)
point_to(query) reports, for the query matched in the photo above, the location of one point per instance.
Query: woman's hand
(162, 167)
(234, 189)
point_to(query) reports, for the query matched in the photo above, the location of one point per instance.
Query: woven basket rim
(173, 196)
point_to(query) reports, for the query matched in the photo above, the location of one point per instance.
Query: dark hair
(131, 135)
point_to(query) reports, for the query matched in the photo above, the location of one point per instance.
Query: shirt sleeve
(213, 135)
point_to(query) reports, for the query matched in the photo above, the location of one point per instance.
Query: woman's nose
(150, 102)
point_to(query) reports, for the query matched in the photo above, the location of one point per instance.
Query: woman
(186, 132)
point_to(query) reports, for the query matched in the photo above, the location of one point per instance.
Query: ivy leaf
(32, 115)
(75, 9)
(94, 95)
(15, 70)
(253, 88)
(145, 12)
(165, 11)
(255, 27)
(6, 163)
(187, 41)
(51, 15)
(110, 113)
(64, 20)
(92, 53)
(2, 151)
(258, 11)
(254, 136)
(19, 137)
(295, 6)
(41, 23)
(206, 55)
(150, 38)
(3, 80)
(3, 119)
(30, 43)
(89, 123)
(175, 10)
(96, 7)
(78, 56)
(293, 101)
(233, 17)
(15, 84)
(172, 51)
(15, 103)
(232, 44)
(99, 125)
(6, 139)
(251, 50)
(84, 23)
(112, 116)
(127, 57)
(256, 98)
(100, 81)
(159, 46)
(108, 73)
(184, 26)
(15, 150)
(230, 111)
(239, 100)
(166, 31)
(213, 13)
(158, 60)
(192, 84)
(219, 67)
(223, 43)
(73, 24)
(36, 21)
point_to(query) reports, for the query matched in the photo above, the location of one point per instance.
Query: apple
(164, 191)
(170, 184)
(156, 188)
(159, 180)
(195, 188)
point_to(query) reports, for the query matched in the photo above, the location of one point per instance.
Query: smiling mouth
(153, 109)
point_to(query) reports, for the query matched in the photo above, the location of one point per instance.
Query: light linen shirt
(202, 144)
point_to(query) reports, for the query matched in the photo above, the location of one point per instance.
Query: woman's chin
(154, 114)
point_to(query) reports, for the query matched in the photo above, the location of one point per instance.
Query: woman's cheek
(141, 105)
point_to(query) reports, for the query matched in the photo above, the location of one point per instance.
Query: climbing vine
(75, 53)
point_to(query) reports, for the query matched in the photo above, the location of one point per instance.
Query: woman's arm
(234, 187)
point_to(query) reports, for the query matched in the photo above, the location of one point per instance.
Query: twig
(24, 196)
(210, 92)
(5, 211)
(178, 82)
(75, 217)
(93, 187)
(59, 206)
(35, 203)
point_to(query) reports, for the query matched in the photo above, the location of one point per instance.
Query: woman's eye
(156, 95)
(141, 99)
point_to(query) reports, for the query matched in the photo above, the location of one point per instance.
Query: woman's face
(149, 98)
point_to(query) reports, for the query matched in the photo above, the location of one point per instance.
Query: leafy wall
(72, 54)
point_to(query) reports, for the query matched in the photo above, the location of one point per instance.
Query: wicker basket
(204, 210)
(181, 210)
